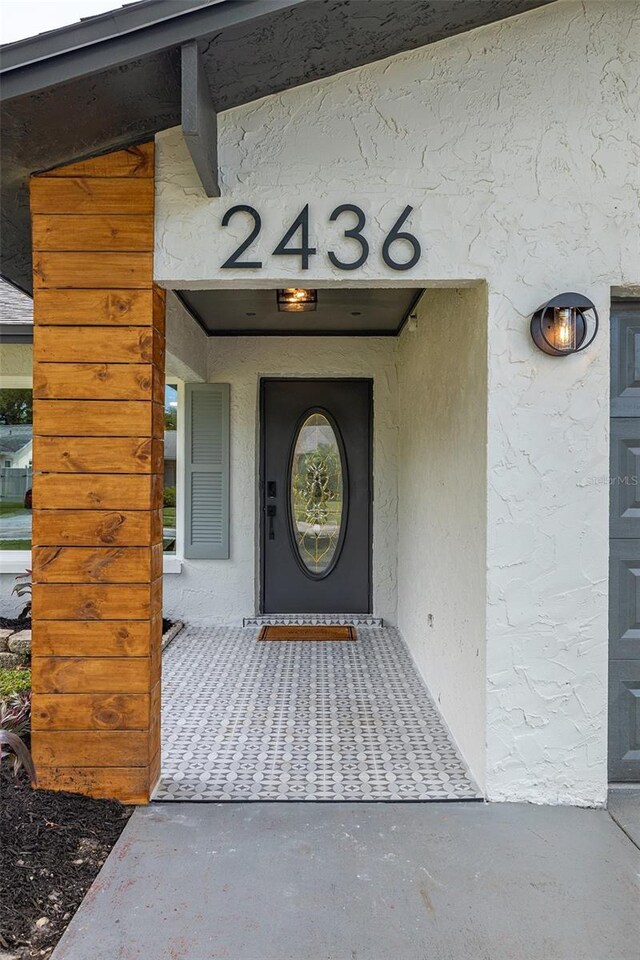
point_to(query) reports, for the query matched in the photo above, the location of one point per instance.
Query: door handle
(271, 512)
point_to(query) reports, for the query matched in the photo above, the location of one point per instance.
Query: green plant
(16, 406)
(169, 497)
(14, 681)
(22, 757)
(15, 713)
(24, 589)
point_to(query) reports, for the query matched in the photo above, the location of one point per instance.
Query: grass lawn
(14, 509)
(169, 517)
(15, 544)
(11, 509)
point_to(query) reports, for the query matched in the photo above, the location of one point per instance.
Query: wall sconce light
(566, 324)
(297, 300)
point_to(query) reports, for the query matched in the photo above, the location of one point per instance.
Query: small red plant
(15, 713)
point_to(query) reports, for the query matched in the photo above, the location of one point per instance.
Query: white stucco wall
(442, 496)
(16, 365)
(187, 344)
(225, 591)
(517, 144)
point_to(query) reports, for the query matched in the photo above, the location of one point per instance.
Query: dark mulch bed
(15, 623)
(51, 848)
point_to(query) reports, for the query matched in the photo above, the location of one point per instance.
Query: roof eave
(45, 62)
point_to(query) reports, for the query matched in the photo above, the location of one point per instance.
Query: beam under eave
(199, 121)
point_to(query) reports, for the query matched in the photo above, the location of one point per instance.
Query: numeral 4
(304, 251)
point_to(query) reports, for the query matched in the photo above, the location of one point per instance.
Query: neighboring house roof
(15, 437)
(114, 80)
(16, 315)
(15, 306)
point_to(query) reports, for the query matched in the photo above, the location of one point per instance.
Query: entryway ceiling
(340, 311)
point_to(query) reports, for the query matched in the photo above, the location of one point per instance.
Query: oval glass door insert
(317, 494)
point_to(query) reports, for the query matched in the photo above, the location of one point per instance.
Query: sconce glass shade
(297, 300)
(566, 324)
(562, 328)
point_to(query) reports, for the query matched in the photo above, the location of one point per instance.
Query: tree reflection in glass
(317, 493)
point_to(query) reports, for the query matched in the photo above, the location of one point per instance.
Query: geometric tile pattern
(313, 619)
(243, 720)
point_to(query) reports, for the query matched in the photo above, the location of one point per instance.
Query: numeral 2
(233, 261)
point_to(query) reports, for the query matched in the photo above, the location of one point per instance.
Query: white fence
(14, 483)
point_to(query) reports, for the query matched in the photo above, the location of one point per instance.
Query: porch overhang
(119, 76)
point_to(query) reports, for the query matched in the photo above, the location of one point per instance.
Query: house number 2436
(295, 242)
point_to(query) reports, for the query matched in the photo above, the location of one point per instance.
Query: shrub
(14, 682)
(169, 497)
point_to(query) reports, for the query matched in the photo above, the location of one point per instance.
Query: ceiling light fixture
(297, 300)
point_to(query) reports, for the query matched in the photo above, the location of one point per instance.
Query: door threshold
(313, 620)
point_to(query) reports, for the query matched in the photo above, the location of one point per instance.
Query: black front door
(315, 494)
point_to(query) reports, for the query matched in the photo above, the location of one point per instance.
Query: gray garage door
(624, 563)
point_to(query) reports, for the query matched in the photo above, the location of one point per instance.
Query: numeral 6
(397, 234)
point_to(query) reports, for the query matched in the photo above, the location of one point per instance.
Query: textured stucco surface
(187, 345)
(10, 605)
(442, 515)
(16, 364)
(517, 144)
(225, 591)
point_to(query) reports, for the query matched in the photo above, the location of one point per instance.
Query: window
(16, 434)
(169, 520)
(16, 451)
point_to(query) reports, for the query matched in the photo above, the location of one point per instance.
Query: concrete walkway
(624, 807)
(363, 881)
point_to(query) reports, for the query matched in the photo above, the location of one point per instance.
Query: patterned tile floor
(244, 720)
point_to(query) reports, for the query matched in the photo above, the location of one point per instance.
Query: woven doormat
(293, 632)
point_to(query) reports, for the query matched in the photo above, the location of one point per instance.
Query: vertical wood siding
(97, 491)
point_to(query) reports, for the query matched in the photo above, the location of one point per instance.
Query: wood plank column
(98, 387)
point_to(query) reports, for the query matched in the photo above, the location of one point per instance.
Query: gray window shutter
(207, 471)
